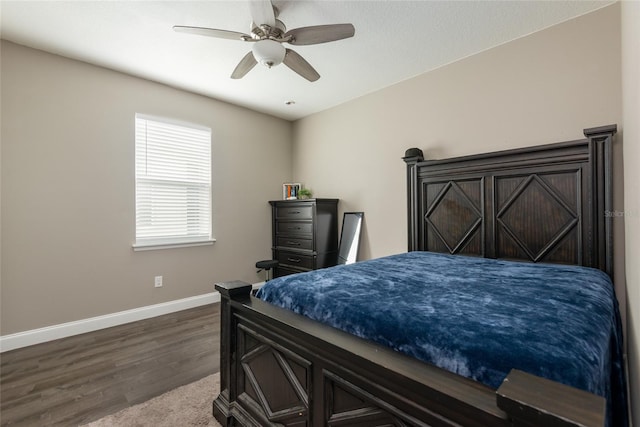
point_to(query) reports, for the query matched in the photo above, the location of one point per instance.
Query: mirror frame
(355, 240)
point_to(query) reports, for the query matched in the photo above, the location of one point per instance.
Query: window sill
(157, 246)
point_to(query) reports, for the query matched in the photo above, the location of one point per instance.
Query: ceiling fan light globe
(268, 52)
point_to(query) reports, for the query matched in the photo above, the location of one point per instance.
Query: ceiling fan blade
(320, 34)
(298, 64)
(211, 32)
(262, 12)
(244, 66)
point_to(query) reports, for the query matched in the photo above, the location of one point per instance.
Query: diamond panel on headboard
(461, 200)
(534, 219)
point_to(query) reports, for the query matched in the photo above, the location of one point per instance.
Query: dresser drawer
(295, 260)
(294, 212)
(294, 227)
(294, 243)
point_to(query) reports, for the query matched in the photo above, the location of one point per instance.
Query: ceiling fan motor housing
(265, 31)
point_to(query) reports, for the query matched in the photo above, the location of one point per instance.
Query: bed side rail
(533, 401)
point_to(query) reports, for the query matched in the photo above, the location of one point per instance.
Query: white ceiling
(394, 41)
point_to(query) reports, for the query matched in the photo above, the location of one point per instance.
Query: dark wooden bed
(541, 204)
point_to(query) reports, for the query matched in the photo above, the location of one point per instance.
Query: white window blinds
(173, 183)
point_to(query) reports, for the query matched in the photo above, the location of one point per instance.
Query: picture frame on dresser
(290, 190)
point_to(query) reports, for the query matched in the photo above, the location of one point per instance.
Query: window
(173, 183)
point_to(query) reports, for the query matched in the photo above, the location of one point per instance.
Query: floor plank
(75, 380)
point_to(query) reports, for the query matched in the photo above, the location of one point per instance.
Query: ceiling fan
(268, 34)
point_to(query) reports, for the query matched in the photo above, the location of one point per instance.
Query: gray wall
(543, 88)
(68, 191)
(631, 130)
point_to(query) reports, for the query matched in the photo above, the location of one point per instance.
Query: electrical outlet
(158, 282)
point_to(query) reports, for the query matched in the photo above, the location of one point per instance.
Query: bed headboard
(546, 203)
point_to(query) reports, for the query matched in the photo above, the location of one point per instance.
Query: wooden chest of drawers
(305, 234)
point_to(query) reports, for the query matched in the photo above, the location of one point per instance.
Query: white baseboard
(63, 330)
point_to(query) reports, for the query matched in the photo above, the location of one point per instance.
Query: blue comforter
(475, 317)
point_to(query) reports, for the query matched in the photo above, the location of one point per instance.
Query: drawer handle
(293, 243)
(294, 212)
(294, 259)
(293, 228)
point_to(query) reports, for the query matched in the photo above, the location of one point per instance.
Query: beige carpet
(189, 405)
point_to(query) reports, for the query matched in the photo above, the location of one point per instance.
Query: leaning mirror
(350, 237)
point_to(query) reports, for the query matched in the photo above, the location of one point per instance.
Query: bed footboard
(281, 368)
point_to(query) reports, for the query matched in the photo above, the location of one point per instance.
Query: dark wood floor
(79, 379)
